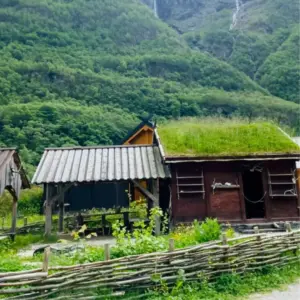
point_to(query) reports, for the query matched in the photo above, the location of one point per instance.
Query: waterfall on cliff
(155, 8)
(238, 4)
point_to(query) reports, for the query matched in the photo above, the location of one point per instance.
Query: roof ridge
(99, 147)
(8, 148)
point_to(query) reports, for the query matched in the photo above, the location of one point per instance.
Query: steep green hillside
(35, 126)
(79, 72)
(279, 73)
(243, 33)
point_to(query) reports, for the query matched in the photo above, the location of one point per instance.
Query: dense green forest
(79, 72)
(250, 39)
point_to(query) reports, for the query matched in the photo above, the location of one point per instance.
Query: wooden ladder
(190, 184)
(284, 184)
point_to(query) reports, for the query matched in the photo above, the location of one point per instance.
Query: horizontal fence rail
(204, 261)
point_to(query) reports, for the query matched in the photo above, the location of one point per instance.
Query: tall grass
(221, 136)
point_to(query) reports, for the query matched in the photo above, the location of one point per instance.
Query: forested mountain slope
(78, 72)
(243, 33)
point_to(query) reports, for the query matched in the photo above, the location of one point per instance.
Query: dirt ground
(291, 292)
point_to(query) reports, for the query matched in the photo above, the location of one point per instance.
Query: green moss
(221, 137)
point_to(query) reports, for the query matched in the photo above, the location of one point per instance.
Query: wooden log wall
(237, 255)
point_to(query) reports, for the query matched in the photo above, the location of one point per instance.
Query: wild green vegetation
(279, 73)
(29, 206)
(140, 241)
(208, 137)
(228, 287)
(79, 72)
(255, 38)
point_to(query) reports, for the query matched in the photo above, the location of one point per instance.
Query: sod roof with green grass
(221, 137)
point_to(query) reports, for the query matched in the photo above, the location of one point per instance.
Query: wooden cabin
(297, 141)
(233, 172)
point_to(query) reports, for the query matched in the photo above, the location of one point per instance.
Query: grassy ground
(6, 222)
(229, 287)
(218, 136)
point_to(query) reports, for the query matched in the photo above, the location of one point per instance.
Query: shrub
(209, 230)
(5, 204)
(30, 201)
(184, 236)
(141, 240)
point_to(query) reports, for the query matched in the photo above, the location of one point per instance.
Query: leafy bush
(209, 230)
(230, 233)
(141, 240)
(5, 204)
(30, 201)
(183, 236)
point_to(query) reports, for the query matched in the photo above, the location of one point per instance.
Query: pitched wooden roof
(12, 174)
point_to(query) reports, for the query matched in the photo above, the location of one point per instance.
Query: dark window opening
(254, 195)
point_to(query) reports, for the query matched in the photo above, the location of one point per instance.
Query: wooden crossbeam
(145, 192)
(61, 191)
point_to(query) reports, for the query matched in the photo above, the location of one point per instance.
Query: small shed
(234, 171)
(12, 178)
(60, 169)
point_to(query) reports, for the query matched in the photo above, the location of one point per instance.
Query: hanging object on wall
(254, 168)
(227, 185)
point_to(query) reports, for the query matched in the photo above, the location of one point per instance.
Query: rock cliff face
(261, 15)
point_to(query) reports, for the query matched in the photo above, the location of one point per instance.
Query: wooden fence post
(46, 259)
(226, 248)
(106, 252)
(256, 231)
(288, 227)
(25, 221)
(14, 216)
(224, 239)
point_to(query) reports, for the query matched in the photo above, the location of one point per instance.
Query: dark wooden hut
(63, 169)
(235, 172)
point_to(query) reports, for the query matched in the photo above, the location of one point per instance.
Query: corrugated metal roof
(11, 172)
(92, 164)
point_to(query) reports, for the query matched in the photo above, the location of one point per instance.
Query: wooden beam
(62, 191)
(14, 210)
(61, 212)
(48, 210)
(155, 188)
(50, 199)
(145, 192)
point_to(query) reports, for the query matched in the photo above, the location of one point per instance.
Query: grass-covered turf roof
(223, 137)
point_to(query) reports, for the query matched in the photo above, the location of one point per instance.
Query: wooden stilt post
(61, 210)
(48, 210)
(14, 215)
(155, 187)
